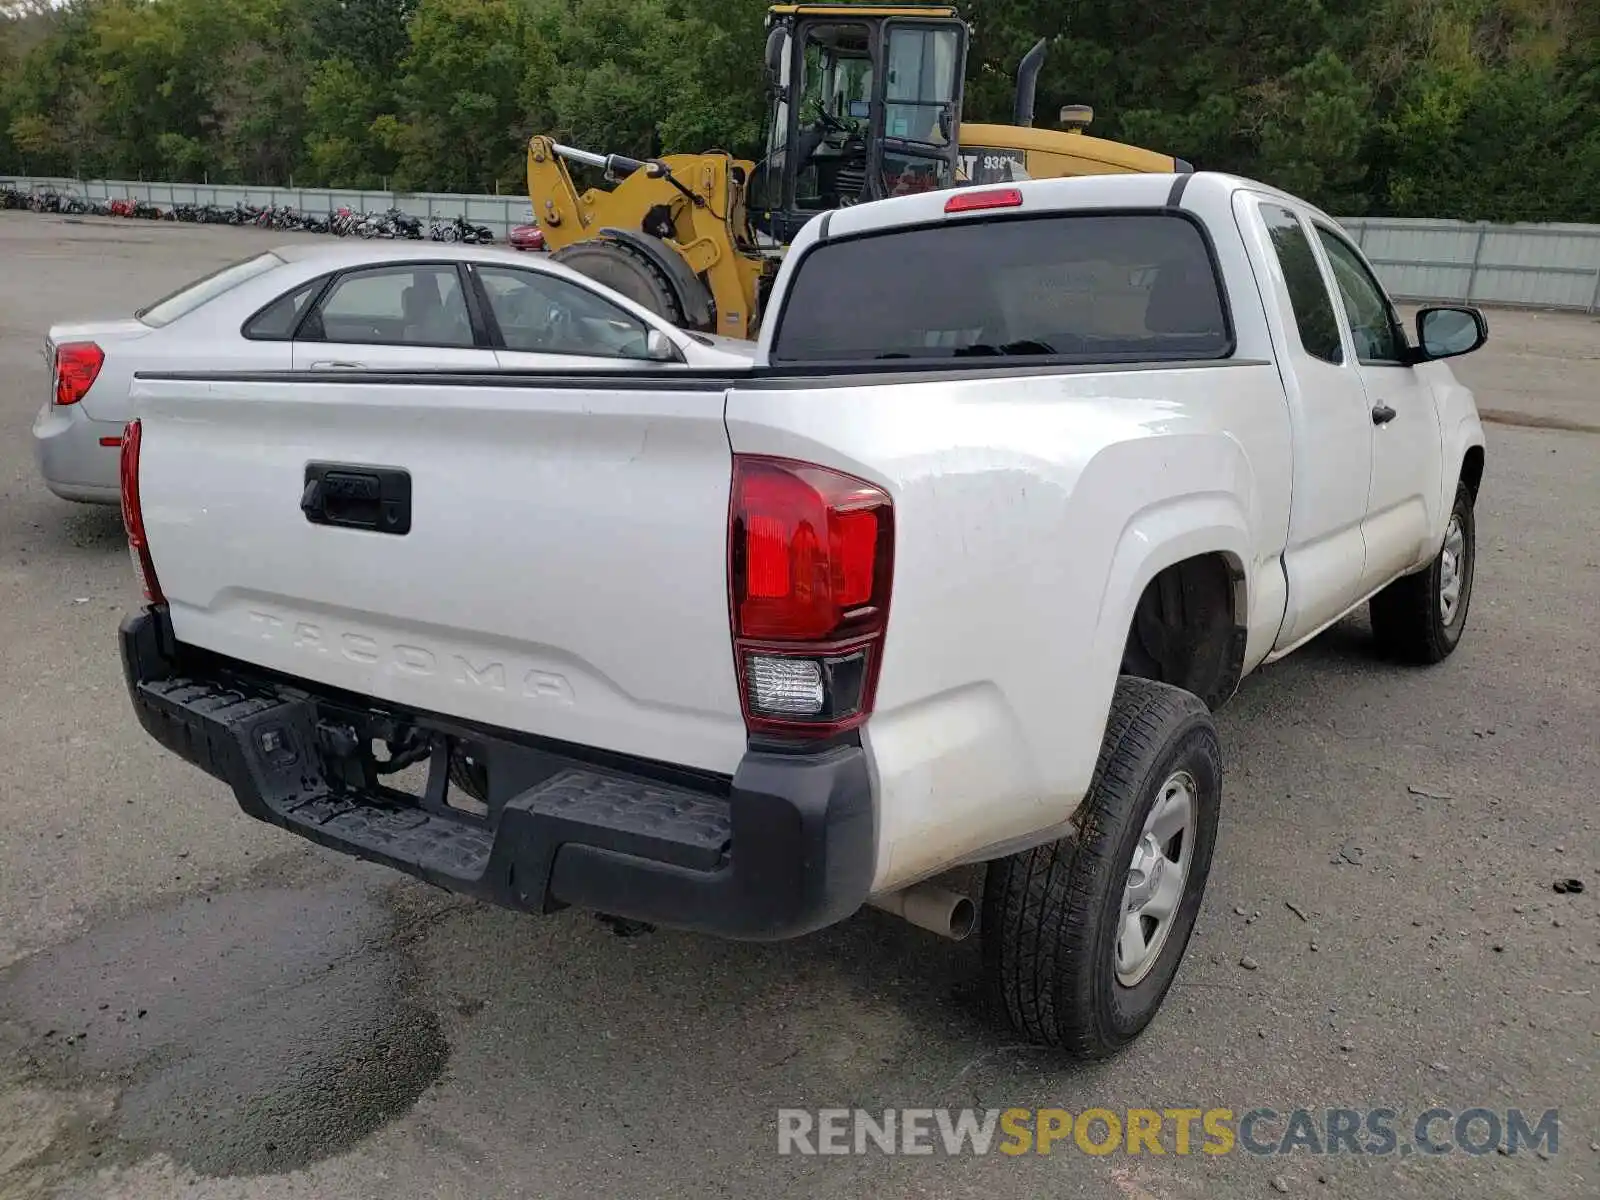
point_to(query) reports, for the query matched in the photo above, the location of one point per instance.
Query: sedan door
(542, 322)
(397, 316)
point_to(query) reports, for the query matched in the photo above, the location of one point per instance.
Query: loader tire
(623, 269)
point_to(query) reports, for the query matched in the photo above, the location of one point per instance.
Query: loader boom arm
(694, 203)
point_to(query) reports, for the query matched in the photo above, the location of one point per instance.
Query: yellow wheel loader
(865, 103)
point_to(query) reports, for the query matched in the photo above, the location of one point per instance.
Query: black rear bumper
(783, 848)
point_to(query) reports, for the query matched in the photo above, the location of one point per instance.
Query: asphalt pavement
(194, 1004)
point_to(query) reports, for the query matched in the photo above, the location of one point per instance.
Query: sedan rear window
(1084, 287)
(208, 287)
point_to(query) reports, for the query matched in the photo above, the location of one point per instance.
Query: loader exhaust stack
(1027, 83)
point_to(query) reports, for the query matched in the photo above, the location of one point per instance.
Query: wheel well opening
(1472, 470)
(1188, 628)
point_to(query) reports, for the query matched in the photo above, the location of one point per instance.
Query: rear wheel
(625, 270)
(1082, 937)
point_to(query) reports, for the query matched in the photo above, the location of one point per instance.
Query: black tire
(626, 270)
(1052, 915)
(1408, 620)
(469, 773)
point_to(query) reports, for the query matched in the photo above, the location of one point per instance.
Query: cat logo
(994, 166)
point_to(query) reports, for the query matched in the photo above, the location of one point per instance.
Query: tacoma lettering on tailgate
(410, 659)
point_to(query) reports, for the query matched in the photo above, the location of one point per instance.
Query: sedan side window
(1308, 292)
(1367, 310)
(421, 305)
(541, 314)
(277, 321)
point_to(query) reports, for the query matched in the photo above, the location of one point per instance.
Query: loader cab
(865, 104)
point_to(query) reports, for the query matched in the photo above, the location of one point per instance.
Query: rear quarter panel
(1030, 512)
(1031, 509)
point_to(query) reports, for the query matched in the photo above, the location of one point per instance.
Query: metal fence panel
(1546, 266)
(499, 213)
(1543, 266)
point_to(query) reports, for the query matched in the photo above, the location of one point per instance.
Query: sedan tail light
(77, 365)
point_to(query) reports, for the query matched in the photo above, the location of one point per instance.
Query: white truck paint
(566, 575)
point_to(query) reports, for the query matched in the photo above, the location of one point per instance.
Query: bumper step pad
(784, 847)
(272, 736)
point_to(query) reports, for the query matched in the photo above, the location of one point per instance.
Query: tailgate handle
(356, 496)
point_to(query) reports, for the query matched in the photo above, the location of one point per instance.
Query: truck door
(1403, 498)
(1325, 554)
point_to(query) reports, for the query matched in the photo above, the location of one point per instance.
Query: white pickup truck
(1019, 485)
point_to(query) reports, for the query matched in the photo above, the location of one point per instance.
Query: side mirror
(1448, 332)
(777, 51)
(658, 347)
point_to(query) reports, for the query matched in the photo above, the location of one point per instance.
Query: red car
(527, 237)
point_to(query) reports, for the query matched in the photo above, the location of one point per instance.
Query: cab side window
(1371, 318)
(1308, 292)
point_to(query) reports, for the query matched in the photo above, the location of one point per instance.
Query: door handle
(357, 496)
(337, 365)
(1382, 414)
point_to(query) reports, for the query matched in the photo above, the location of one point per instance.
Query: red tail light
(969, 201)
(77, 366)
(133, 515)
(811, 557)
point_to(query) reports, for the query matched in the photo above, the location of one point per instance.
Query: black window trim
(333, 278)
(1330, 286)
(1323, 227)
(493, 336)
(1229, 348)
(492, 323)
(485, 329)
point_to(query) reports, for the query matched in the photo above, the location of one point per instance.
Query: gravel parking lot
(194, 1004)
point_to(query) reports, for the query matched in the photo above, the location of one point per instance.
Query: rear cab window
(1077, 287)
(208, 287)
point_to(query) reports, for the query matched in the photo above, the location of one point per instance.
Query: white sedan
(347, 307)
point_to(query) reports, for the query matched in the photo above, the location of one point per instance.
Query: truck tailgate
(564, 572)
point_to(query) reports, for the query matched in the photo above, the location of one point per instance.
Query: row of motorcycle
(342, 222)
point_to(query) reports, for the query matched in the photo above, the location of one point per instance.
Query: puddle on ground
(253, 1032)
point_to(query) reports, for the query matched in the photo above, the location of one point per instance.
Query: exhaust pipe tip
(938, 910)
(963, 919)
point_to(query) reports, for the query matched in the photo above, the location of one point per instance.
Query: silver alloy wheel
(1452, 563)
(1156, 878)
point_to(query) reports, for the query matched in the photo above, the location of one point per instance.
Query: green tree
(343, 143)
(460, 92)
(1474, 108)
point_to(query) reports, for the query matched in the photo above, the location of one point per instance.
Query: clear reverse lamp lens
(790, 687)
